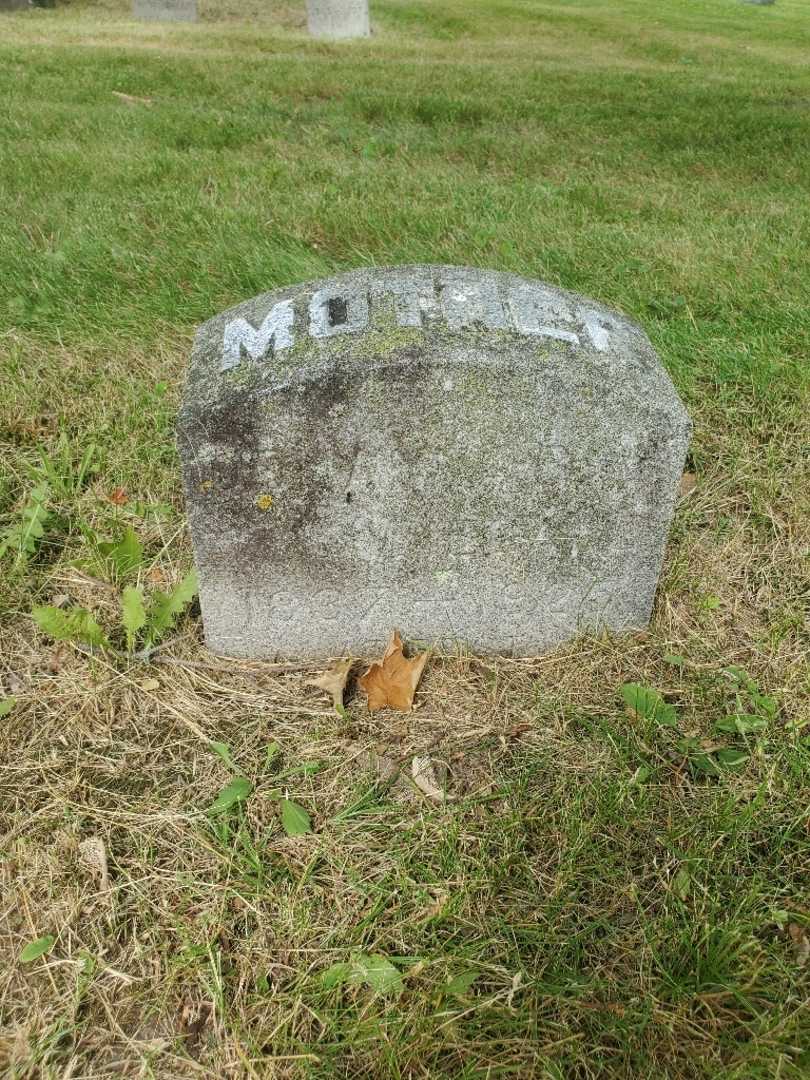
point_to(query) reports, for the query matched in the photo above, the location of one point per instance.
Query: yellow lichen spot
(264, 501)
(206, 486)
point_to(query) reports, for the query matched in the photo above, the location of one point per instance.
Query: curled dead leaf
(14, 684)
(391, 683)
(801, 946)
(333, 681)
(131, 99)
(194, 1017)
(57, 660)
(424, 776)
(436, 907)
(94, 856)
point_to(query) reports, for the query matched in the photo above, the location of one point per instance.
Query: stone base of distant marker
(334, 20)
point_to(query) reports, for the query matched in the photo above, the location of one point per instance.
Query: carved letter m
(240, 336)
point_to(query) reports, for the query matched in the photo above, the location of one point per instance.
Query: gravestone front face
(338, 19)
(165, 10)
(469, 456)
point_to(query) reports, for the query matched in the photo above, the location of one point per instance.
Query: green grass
(623, 914)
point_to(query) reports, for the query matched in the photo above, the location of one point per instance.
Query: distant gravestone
(165, 10)
(336, 19)
(469, 456)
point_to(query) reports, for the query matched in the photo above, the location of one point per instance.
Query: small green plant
(143, 624)
(707, 759)
(294, 818)
(27, 531)
(231, 795)
(55, 477)
(372, 970)
(39, 947)
(234, 832)
(459, 985)
(114, 560)
(74, 624)
(753, 711)
(144, 620)
(645, 703)
(65, 477)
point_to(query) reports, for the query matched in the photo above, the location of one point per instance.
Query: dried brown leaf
(94, 855)
(436, 906)
(193, 1021)
(801, 946)
(333, 680)
(131, 99)
(424, 776)
(391, 683)
(57, 660)
(14, 684)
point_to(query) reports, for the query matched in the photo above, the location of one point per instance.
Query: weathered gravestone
(165, 10)
(466, 455)
(336, 19)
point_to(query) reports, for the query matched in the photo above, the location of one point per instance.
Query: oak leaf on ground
(391, 682)
(333, 681)
(424, 776)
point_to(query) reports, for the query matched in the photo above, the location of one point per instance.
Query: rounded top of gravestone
(402, 315)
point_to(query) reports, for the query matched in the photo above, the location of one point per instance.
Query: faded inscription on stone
(165, 10)
(476, 458)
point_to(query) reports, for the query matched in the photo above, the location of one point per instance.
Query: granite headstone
(473, 457)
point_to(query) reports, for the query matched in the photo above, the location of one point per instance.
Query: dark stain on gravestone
(337, 311)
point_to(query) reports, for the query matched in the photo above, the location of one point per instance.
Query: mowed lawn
(601, 894)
